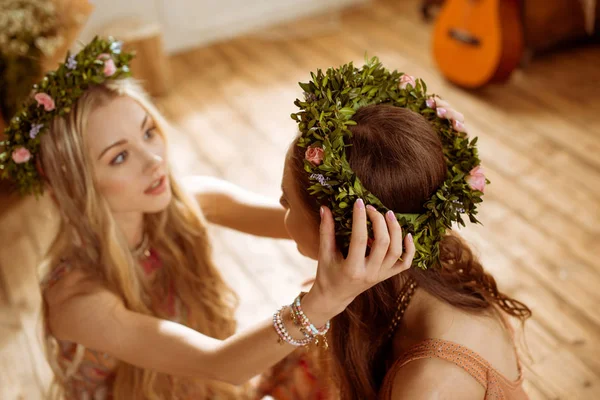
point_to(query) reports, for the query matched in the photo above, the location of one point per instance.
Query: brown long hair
(398, 156)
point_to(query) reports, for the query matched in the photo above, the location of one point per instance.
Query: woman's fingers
(381, 243)
(395, 248)
(407, 257)
(358, 238)
(327, 247)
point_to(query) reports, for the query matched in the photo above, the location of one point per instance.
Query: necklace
(143, 250)
(402, 301)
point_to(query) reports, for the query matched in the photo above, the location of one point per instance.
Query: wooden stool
(151, 64)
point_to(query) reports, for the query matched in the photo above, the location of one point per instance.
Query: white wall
(189, 23)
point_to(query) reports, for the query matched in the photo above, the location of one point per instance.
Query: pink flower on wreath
(442, 103)
(109, 65)
(109, 68)
(441, 112)
(444, 110)
(43, 99)
(457, 120)
(435, 102)
(314, 155)
(476, 179)
(455, 115)
(21, 155)
(430, 102)
(405, 80)
(459, 126)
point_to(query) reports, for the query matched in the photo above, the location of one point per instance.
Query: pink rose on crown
(314, 155)
(476, 179)
(109, 65)
(43, 99)
(407, 79)
(109, 68)
(21, 155)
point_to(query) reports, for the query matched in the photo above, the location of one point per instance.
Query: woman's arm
(82, 311)
(98, 319)
(229, 205)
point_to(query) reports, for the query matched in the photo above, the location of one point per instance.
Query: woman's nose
(154, 162)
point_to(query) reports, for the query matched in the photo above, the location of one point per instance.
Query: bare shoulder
(76, 298)
(64, 281)
(433, 378)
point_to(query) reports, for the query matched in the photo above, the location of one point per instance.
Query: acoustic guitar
(476, 42)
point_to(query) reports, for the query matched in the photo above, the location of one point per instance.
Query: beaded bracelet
(308, 329)
(304, 321)
(320, 340)
(284, 335)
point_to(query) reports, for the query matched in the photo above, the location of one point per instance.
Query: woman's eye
(149, 134)
(119, 159)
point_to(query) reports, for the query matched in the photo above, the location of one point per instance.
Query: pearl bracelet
(284, 335)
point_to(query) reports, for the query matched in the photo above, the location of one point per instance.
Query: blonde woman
(134, 307)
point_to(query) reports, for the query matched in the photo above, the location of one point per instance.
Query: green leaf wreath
(331, 100)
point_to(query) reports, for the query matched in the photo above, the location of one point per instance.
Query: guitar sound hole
(464, 37)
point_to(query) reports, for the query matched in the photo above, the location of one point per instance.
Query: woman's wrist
(320, 307)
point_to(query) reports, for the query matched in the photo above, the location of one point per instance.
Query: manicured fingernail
(321, 211)
(410, 238)
(391, 216)
(370, 207)
(360, 203)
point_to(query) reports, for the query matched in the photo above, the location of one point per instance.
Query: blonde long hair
(178, 234)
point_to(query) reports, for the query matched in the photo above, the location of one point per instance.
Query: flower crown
(332, 98)
(55, 96)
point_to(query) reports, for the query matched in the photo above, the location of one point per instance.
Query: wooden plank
(254, 303)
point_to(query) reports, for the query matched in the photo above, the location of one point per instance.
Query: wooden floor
(539, 141)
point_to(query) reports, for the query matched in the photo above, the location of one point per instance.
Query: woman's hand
(340, 280)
